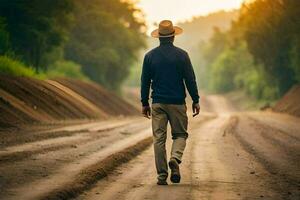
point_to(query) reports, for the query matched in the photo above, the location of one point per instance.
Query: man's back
(168, 67)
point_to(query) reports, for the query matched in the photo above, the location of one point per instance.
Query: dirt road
(220, 162)
(229, 155)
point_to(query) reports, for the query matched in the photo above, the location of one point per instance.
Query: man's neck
(166, 43)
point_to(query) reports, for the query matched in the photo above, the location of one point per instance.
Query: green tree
(271, 29)
(64, 68)
(36, 26)
(260, 53)
(4, 38)
(210, 51)
(105, 40)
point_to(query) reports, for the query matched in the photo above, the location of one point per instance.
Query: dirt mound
(289, 103)
(24, 100)
(107, 101)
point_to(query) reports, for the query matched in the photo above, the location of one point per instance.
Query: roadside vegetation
(96, 39)
(13, 67)
(260, 53)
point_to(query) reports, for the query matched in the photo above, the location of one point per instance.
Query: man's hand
(146, 111)
(196, 109)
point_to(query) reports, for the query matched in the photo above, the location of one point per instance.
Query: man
(168, 70)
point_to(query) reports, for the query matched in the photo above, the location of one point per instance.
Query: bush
(8, 66)
(64, 68)
(223, 71)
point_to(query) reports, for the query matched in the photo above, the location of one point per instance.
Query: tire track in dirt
(288, 144)
(220, 166)
(277, 163)
(287, 124)
(90, 175)
(57, 178)
(48, 159)
(224, 169)
(57, 140)
(31, 136)
(8, 156)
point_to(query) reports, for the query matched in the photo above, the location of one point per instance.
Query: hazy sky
(179, 10)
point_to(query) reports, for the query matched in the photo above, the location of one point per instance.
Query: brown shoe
(162, 182)
(175, 173)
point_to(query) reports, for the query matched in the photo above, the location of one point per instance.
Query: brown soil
(54, 164)
(236, 155)
(289, 103)
(107, 101)
(93, 173)
(27, 101)
(229, 155)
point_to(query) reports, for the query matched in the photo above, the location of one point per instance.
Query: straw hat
(166, 29)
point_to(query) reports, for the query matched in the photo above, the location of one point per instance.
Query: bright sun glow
(180, 10)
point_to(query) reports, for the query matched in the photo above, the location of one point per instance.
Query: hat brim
(177, 31)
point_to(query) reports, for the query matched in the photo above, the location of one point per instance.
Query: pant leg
(159, 129)
(179, 122)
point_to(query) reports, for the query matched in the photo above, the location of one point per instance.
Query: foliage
(105, 40)
(260, 53)
(64, 68)
(294, 55)
(134, 78)
(4, 37)
(13, 67)
(271, 29)
(35, 26)
(99, 37)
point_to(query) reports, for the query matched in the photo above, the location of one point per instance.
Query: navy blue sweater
(167, 69)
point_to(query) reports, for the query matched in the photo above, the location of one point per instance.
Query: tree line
(97, 39)
(260, 54)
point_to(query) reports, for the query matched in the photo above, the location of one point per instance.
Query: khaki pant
(176, 116)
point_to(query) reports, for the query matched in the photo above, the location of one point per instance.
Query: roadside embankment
(27, 101)
(289, 103)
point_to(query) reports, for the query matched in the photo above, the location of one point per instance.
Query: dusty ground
(229, 155)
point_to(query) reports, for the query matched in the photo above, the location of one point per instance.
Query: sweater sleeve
(145, 82)
(190, 79)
